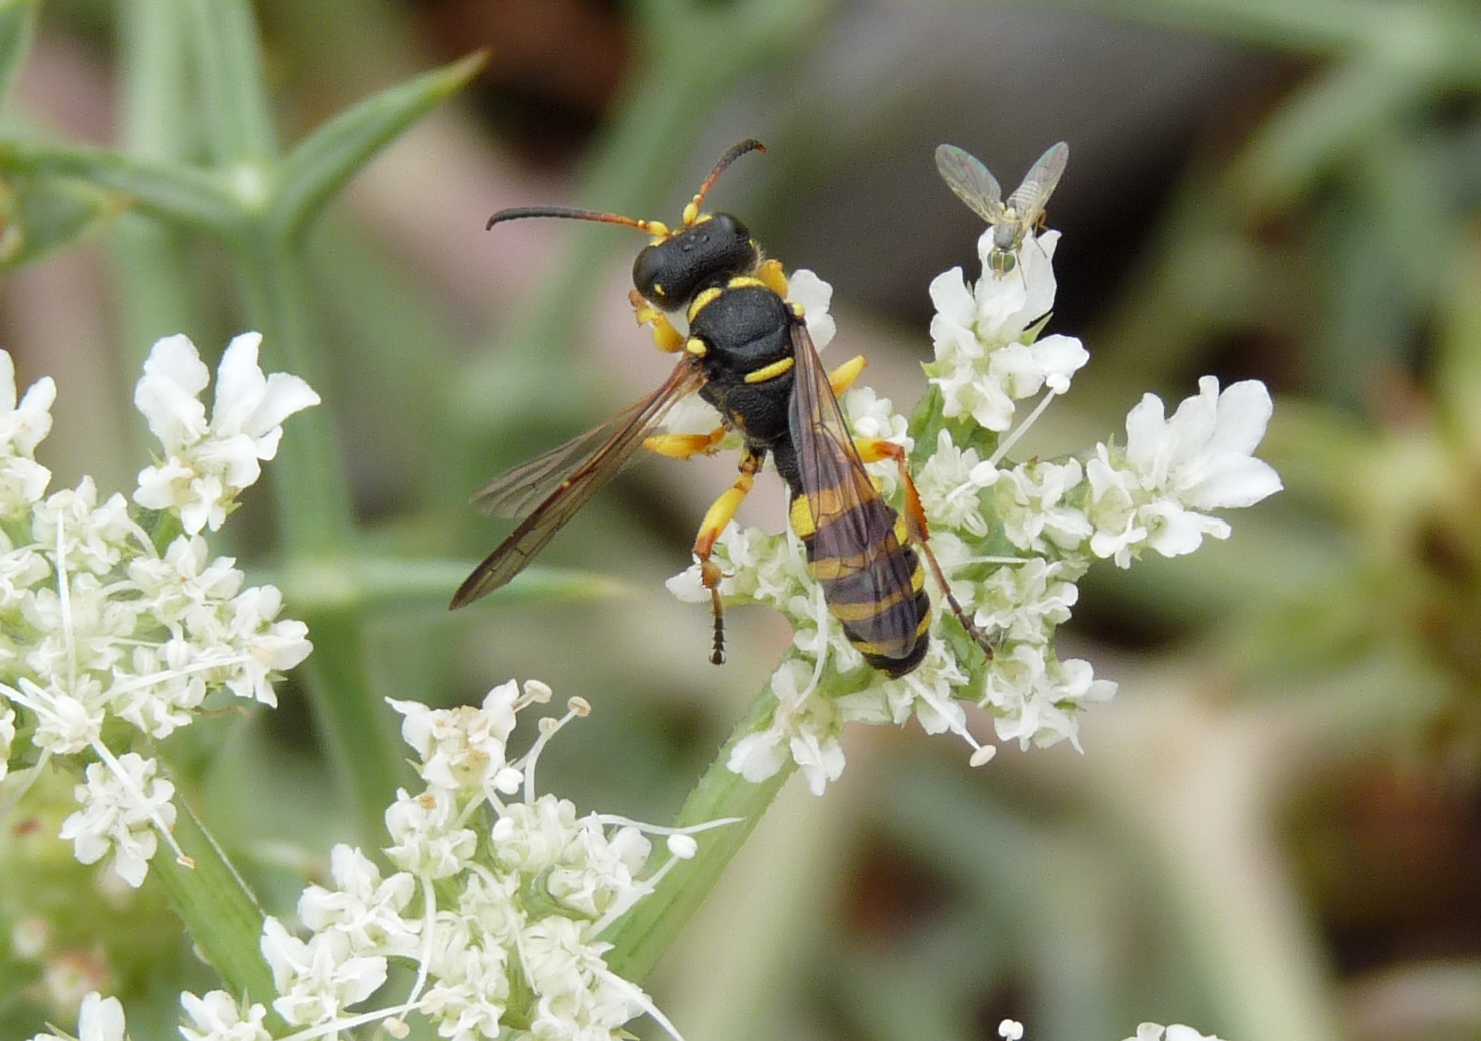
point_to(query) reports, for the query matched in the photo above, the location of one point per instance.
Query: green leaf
(641, 936)
(229, 66)
(17, 27)
(38, 216)
(318, 583)
(218, 909)
(177, 194)
(320, 166)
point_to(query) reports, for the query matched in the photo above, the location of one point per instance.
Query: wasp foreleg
(665, 337)
(771, 272)
(716, 519)
(843, 377)
(873, 450)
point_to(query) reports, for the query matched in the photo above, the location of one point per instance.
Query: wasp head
(670, 272)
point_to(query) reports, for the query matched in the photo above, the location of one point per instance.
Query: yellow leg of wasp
(873, 450)
(775, 278)
(716, 520)
(843, 377)
(684, 446)
(665, 337)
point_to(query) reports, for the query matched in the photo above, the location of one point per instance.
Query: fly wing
(965, 175)
(568, 476)
(1029, 198)
(853, 526)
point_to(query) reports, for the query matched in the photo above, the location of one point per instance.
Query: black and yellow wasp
(747, 353)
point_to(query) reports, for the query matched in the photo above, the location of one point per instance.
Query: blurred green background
(1275, 831)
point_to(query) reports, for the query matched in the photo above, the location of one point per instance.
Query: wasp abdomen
(879, 597)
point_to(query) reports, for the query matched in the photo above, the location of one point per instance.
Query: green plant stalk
(150, 261)
(17, 28)
(218, 909)
(229, 64)
(314, 514)
(177, 194)
(640, 937)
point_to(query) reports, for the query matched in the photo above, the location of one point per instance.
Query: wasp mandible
(749, 355)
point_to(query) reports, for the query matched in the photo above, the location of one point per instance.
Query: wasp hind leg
(685, 446)
(873, 450)
(716, 520)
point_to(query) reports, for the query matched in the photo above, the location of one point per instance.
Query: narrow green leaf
(218, 909)
(38, 216)
(640, 937)
(321, 165)
(174, 193)
(17, 27)
(319, 583)
(1319, 125)
(229, 66)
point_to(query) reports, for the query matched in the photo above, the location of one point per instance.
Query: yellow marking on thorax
(746, 281)
(703, 300)
(696, 347)
(772, 371)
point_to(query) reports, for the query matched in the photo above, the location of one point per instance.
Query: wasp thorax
(670, 272)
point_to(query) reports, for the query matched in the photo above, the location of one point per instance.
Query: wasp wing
(965, 175)
(1029, 198)
(515, 493)
(853, 526)
(568, 476)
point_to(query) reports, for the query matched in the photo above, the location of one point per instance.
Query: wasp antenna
(568, 213)
(734, 152)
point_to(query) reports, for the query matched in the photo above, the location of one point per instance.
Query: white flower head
(1036, 698)
(217, 1016)
(120, 813)
(1176, 1032)
(318, 979)
(814, 296)
(428, 839)
(100, 1019)
(363, 906)
(1172, 469)
(23, 425)
(464, 746)
(206, 463)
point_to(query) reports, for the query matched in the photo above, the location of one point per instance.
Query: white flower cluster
(498, 904)
(1012, 1030)
(206, 463)
(1012, 539)
(99, 625)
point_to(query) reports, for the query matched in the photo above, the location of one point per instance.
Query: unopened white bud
(683, 846)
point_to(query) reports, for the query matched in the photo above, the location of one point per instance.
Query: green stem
(230, 66)
(315, 518)
(218, 909)
(314, 508)
(640, 938)
(150, 261)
